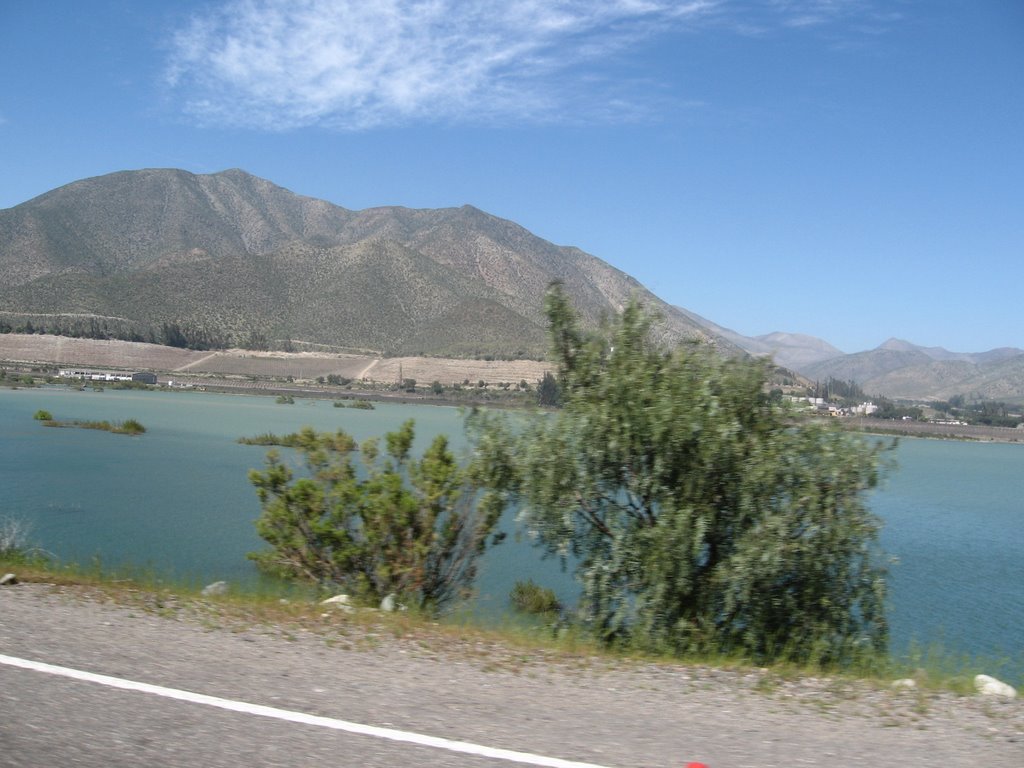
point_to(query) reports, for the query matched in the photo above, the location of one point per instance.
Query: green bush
(401, 526)
(42, 415)
(361, 405)
(529, 597)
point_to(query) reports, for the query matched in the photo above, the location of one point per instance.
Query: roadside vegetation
(529, 597)
(705, 520)
(406, 529)
(290, 611)
(16, 547)
(702, 516)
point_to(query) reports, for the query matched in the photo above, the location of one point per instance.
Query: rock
(342, 601)
(217, 588)
(8, 579)
(905, 682)
(388, 604)
(989, 686)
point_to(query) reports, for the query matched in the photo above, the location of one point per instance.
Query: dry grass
(95, 353)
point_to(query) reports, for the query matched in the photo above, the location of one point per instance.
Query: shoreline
(959, 432)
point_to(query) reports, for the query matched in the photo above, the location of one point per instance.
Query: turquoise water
(177, 500)
(954, 519)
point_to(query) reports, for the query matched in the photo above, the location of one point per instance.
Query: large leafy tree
(407, 526)
(702, 515)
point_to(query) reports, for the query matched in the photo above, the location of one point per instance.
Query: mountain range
(232, 259)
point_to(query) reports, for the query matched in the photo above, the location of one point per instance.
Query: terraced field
(27, 349)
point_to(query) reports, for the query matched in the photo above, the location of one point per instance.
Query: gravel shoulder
(465, 686)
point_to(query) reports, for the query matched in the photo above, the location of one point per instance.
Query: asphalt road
(587, 711)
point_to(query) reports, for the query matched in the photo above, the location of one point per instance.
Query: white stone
(904, 682)
(8, 578)
(343, 602)
(989, 686)
(388, 603)
(217, 588)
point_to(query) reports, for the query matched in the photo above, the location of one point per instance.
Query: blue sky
(850, 169)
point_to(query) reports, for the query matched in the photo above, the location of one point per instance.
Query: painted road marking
(291, 716)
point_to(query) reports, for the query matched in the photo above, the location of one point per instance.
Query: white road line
(298, 717)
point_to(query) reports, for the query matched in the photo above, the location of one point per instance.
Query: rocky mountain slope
(232, 259)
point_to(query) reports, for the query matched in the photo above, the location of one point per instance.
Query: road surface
(586, 710)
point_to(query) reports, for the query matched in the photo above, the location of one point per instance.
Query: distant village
(821, 405)
(89, 375)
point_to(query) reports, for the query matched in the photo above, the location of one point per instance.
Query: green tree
(407, 526)
(547, 391)
(702, 516)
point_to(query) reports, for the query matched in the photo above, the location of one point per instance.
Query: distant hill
(790, 350)
(896, 369)
(231, 259)
(900, 369)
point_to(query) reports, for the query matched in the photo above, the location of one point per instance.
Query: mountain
(790, 350)
(938, 353)
(229, 258)
(1002, 379)
(900, 369)
(896, 369)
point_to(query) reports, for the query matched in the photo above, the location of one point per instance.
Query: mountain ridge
(232, 258)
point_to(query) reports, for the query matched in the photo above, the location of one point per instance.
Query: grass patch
(511, 645)
(269, 438)
(126, 427)
(15, 543)
(362, 405)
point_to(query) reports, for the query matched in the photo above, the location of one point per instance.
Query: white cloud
(281, 64)
(354, 64)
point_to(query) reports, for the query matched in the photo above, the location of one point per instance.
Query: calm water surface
(177, 500)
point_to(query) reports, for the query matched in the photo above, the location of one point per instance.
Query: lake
(177, 500)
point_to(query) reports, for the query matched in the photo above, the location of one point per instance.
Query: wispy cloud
(354, 64)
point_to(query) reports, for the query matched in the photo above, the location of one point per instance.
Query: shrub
(705, 517)
(529, 597)
(14, 541)
(403, 526)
